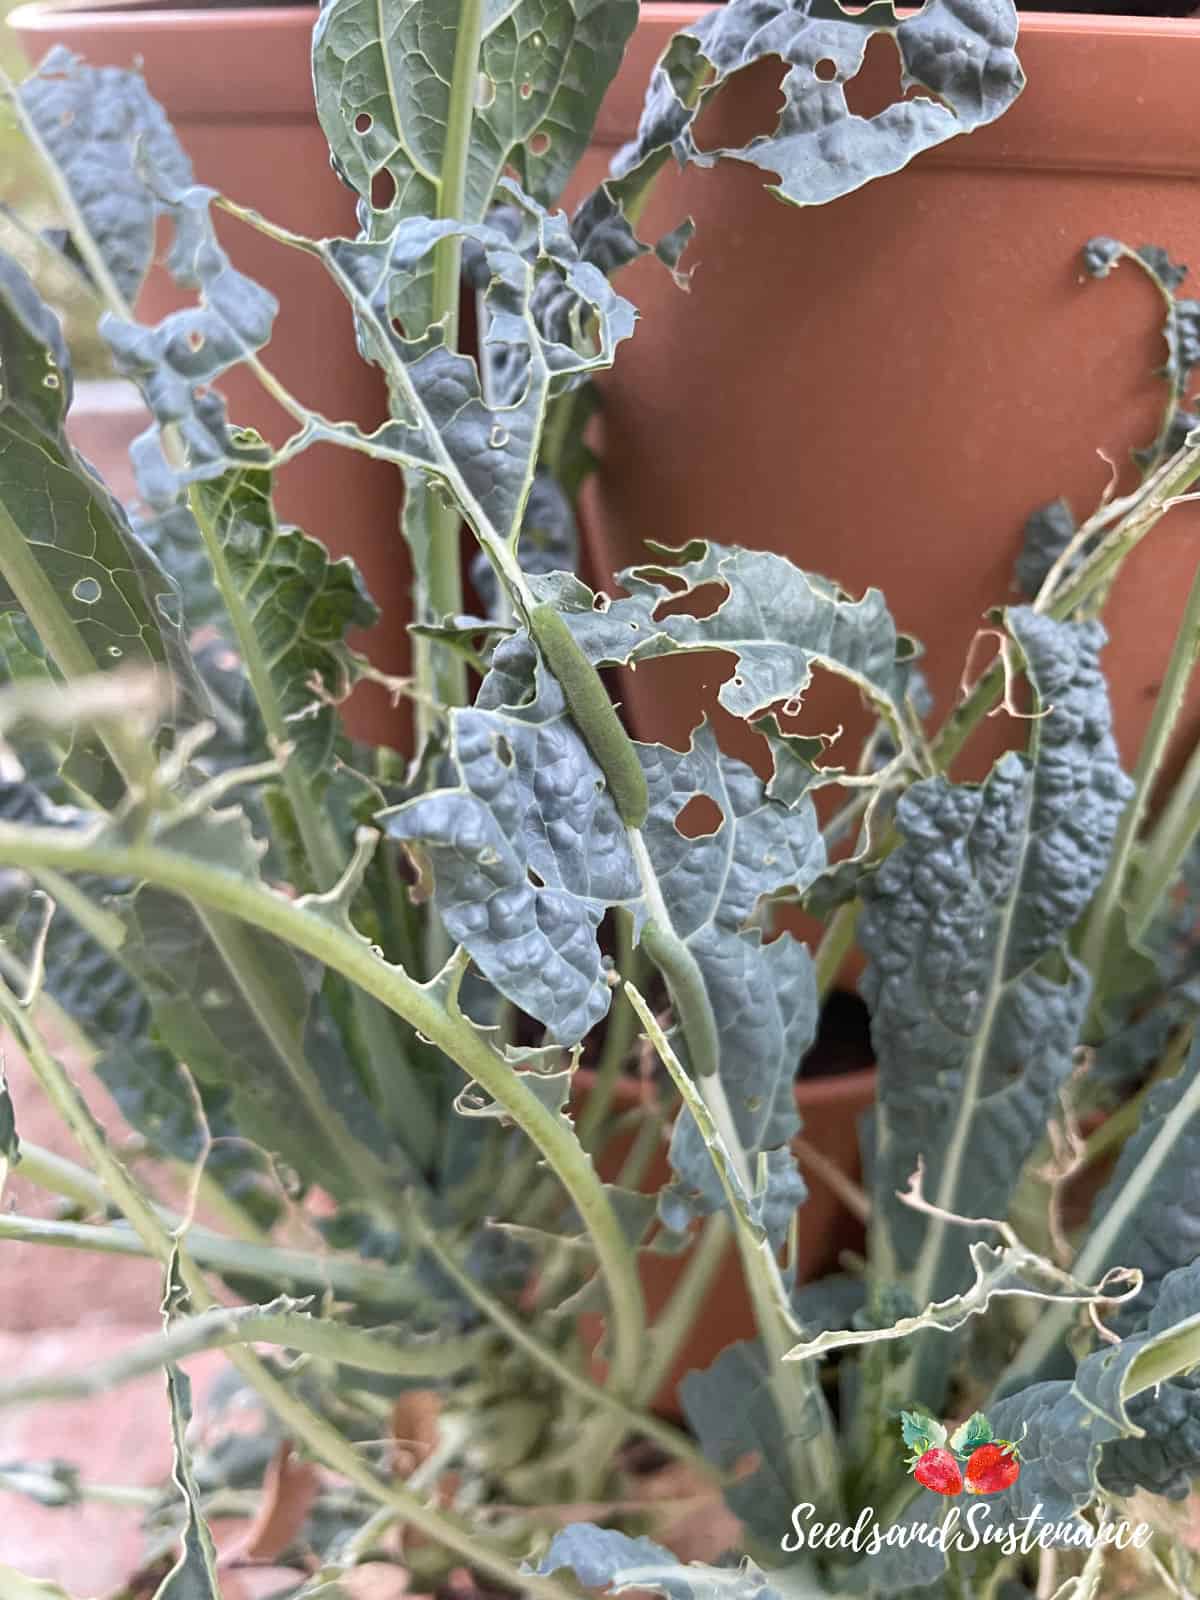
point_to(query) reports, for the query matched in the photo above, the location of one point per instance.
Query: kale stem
(1107, 906)
(223, 892)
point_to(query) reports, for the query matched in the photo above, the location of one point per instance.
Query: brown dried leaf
(290, 1486)
(415, 1420)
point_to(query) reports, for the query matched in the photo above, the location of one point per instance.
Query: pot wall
(883, 388)
(237, 86)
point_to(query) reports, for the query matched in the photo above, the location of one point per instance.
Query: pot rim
(1105, 95)
(39, 16)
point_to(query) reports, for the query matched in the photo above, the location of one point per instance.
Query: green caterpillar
(594, 714)
(689, 997)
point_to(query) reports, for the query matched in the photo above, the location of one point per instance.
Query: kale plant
(349, 1000)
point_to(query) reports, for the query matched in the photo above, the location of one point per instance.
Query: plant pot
(829, 1108)
(237, 86)
(883, 388)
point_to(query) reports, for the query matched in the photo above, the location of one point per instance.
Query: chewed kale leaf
(528, 854)
(779, 622)
(819, 149)
(1050, 528)
(1077, 1432)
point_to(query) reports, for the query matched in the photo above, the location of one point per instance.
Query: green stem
(684, 1308)
(618, 1039)
(1166, 848)
(835, 945)
(1106, 907)
(812, 1450)
(293, 1271)
(434, 1359)
(441, 673)
(223, 892)
(304, 1424)
(1097, 1253)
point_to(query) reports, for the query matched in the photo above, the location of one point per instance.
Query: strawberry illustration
(938, 1470)
(993, 1467)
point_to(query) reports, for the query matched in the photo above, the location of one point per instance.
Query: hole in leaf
(843, 1042)
(747, 107)
(364, 122)
(876, 84)
(504, 751)
(539, 144)
(537, 881)
(825, 69)
(383, 189)
(699, 602)
(195, 340)
(87, 591)
(700, 818)
(525, 91)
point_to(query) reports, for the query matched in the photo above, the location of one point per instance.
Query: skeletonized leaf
(1009, 1270)
(1068, 1424)
(194, 1576)
(175, 363)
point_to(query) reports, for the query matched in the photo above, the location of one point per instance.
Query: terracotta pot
(884, 387)
(237, 86)
(830, 1109)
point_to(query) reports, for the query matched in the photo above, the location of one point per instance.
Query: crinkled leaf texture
(528, 854)
(960, 51)
(976, 1005)
(602, 1558)
(1070, 1427)
(96, 125)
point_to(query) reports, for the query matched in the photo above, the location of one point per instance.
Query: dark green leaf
(976, 1007)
